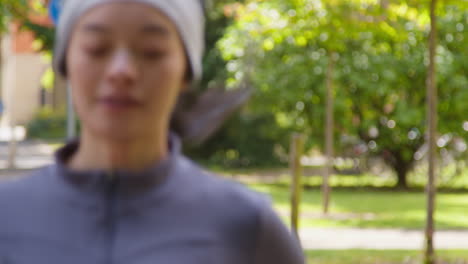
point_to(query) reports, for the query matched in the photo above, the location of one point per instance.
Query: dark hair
(198, 115)
(200, 112)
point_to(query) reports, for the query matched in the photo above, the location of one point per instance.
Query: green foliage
(47, 124)
(245, 141)
(46, 35)
(380, 56)
(214, 67)
(11, 9)
(19, 10)
(248, 139)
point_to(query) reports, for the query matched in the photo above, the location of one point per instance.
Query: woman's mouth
(119, 103)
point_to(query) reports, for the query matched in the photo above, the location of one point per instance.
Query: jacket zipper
(112, 185)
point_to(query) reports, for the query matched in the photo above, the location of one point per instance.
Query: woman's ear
(188, 79)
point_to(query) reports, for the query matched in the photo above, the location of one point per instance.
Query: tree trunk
(329, 131)
(297, 150)
(432, 128)
(402, 172)
(400, 165)
(1, 71)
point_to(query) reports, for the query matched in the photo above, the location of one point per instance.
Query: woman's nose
(122, 68)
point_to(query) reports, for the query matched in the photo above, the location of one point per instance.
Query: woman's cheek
(84, 89)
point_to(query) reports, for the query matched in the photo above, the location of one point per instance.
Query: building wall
(22, 70)
(26, 76)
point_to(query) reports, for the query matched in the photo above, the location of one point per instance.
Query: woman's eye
(152, 54)
(97, 51)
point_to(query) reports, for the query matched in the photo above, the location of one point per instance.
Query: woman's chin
(119, 132)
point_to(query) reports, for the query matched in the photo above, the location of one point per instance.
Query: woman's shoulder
(20, 197)
(246, 215)
(23, 188)
(221, 189)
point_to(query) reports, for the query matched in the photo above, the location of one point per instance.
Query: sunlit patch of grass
(56, 145)
(381, 256)
(372, 209)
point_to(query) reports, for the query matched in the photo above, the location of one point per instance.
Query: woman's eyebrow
(155, 29)
(96, 28)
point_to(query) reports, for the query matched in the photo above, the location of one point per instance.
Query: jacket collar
(125, 182)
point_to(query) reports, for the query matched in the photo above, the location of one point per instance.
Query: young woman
(124, 193)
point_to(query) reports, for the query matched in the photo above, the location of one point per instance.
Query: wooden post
(328, 136)
(432, 128)
(297, 149)
(12, 147)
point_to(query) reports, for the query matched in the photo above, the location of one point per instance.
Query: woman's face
(127, 65)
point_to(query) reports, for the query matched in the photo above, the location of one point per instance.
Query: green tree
(19, 11)
(231, 146)
(379, 74)
(11, 9)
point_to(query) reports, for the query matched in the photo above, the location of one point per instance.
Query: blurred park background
(374, 53)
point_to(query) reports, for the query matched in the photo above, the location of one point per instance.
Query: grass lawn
(381, 256)
(372, 209)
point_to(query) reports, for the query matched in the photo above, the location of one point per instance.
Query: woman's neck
(101, 153)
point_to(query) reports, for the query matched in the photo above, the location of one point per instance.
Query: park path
(356, 238)
(33, 154)
(30, 155)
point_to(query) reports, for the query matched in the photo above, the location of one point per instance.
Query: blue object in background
(55, 7)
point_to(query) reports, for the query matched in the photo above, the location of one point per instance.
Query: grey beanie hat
(187, 15)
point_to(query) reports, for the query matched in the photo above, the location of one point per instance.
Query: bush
(245, 141)
(48, 124)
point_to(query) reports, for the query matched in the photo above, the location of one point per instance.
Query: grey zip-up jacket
(173, 213)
